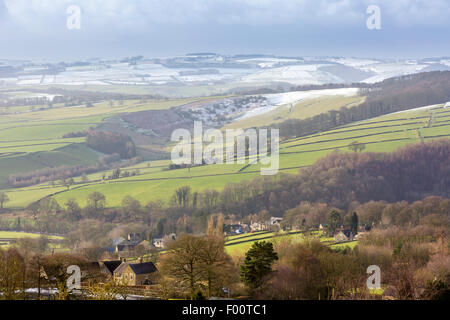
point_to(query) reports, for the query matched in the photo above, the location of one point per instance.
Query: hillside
(382, 134)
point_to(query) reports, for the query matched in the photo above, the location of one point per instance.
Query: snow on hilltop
(277, 100)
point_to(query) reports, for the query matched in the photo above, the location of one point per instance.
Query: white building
(275, 220)
(161, 243)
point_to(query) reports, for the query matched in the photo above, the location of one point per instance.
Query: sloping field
(301, 110)
(72, 154)
(382, 134)
(32, 140)
(20, 235)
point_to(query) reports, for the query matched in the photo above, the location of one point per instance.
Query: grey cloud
(147, 26)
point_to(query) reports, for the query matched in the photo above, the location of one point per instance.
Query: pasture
(154, 182)
(237, 246)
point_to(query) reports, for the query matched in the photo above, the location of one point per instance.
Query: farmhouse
(161, 243)
(275, 221)
(343, 235)
(135, 274)
(133, 240)
(239, 228)
(258, 226)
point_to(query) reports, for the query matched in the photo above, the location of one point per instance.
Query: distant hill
(436, 67)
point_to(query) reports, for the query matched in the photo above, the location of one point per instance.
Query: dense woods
(111, 142)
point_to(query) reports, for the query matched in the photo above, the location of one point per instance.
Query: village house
(258, 226)
(343, 236)
(135, 274)
(133, 240)
(239, 228)
(275, 221)
(162, 243)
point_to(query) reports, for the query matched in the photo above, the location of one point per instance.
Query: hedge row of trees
(62, 173)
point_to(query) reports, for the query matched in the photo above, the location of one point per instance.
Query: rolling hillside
(382, 134)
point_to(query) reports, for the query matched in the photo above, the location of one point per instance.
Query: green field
(381, 134)
(32, 140)
(21, 235)
(237, 246)
(9, 238)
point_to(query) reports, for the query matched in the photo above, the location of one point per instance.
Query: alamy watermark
(374, 20)
(74, 17)
(238, 146)
(374, 280)
(74, 280)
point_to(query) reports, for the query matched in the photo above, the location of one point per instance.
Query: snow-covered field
(268, 62)
(224, 69)
(277, 100)
(388, 70)
(280, 99)
(296, 74)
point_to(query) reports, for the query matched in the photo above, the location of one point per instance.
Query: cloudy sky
(118, 28)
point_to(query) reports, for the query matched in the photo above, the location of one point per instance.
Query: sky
(37, 29)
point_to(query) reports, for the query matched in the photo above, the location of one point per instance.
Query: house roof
(111, 265)
(129, 243)
(143, 268)
(138, 268)
(117, 240)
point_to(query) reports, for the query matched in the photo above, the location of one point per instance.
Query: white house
(258, 226)
(163, 242)
(275, 220)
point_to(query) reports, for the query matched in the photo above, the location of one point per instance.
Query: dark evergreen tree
(354, 223)
(258, 264)
(333, 222)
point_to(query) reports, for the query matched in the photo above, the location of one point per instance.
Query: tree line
(64, 174)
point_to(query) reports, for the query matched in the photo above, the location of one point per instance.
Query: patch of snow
(281, 99)
(296, 74)
(384, 71)
(354, 62)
